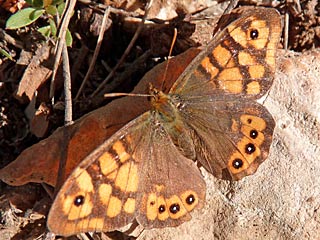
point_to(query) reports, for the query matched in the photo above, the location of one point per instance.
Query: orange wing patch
(221, 55)
(208, 66)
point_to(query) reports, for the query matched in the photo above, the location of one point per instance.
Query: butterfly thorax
(164, 105)
(166, 111)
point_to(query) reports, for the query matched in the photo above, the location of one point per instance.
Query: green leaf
(6, 54)
(37, 3)
(52, 10)
(45, 31)
(24, 18)
(61, 7)
(56, 2)
(53, 27)
(68, 38)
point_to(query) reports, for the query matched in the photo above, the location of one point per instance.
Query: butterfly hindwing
(231, 141)
(166, 199)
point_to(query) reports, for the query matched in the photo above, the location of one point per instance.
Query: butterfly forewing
(101, 193)
(136, 174)
(238, 62)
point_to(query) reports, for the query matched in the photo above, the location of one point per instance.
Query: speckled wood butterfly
(146, 170)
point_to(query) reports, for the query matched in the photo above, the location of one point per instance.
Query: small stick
(61, 42)
(126, 52)
(67, 87)
(286, 30)
(96, 51)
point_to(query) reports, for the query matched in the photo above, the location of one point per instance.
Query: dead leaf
(35, 74)
(39, 123)
(13, 5)
(39, 163)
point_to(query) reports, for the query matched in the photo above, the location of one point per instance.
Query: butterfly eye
(253, 134)
(237, 163)
(254, 34)
(162, 208)
(174, 208)
(250, 148)
(79, 200)
(190, 199)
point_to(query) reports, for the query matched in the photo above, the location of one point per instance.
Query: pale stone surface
(282, 199)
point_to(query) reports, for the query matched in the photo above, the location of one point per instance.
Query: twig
(96, 51)
(62, 49)
(102, 7)
(67, 87)
(10, 40)
(286, 30)
(67, 120)
(136, 65)
(126, 52)
(61, 42)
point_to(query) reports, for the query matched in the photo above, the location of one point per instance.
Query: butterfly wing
(136, 174)
(231, 132)
(238, 62)
(230, 139)
(172, 184)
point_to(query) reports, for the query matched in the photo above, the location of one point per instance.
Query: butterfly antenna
(126, 94)
(175, 33)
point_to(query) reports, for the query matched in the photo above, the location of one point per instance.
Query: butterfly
(146, 171)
